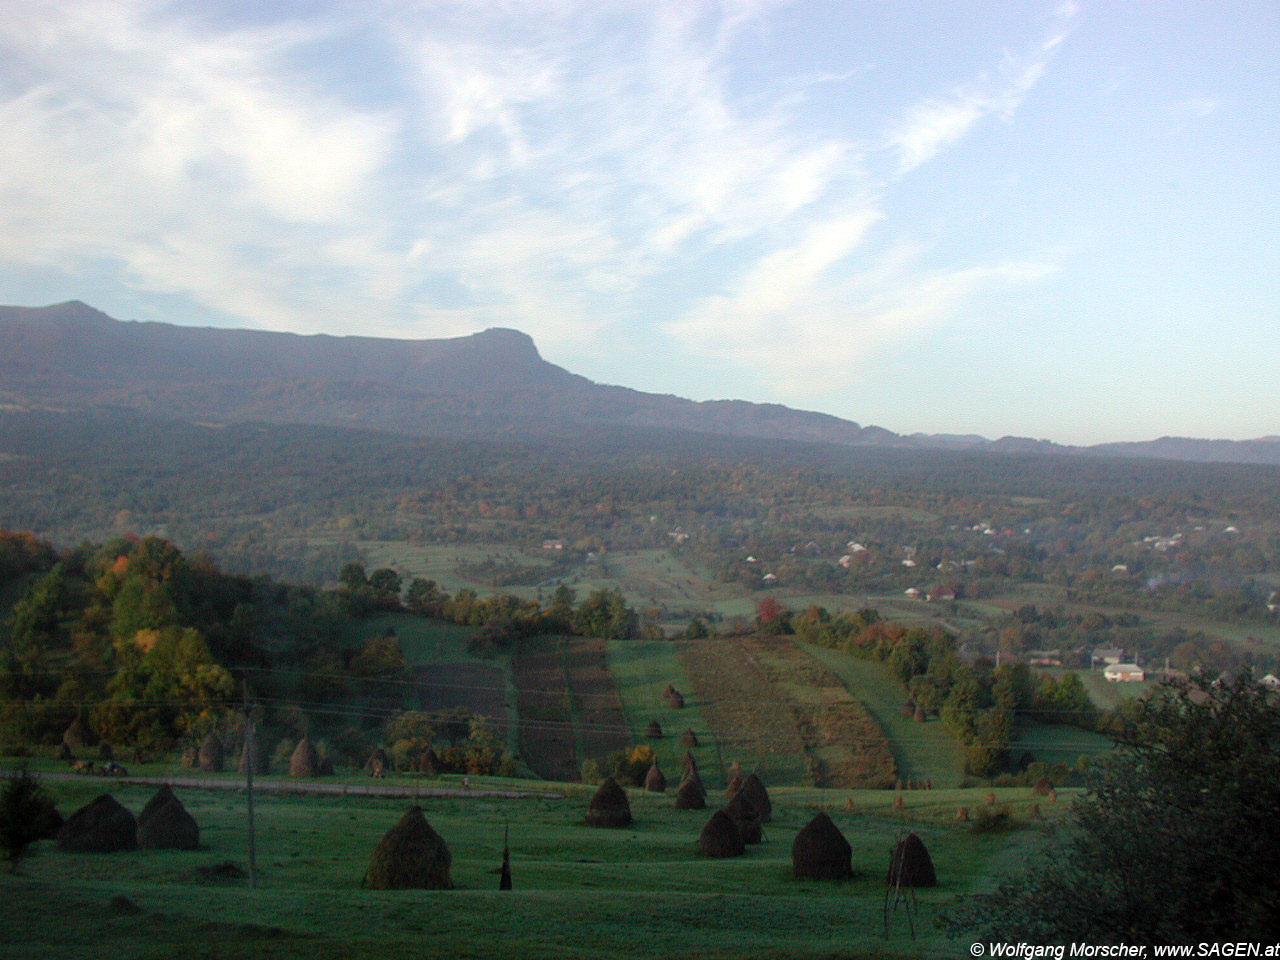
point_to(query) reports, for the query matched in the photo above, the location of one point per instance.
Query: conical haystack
(688, 764)
(690, 739)
(691, 794)
(962, 814)
(411, 856)
(211, 756)
(654, 780)
(820, 851)
(653, 731)
(305, 762)
(429, 762)
(721, 837)
(609, 806)
(101, 826)
(735, 784)
(910, 865)
(162, 796)
(170, 827)
(747, 818)
(79, 734)
(1043, 787)
(673, 698)
(753, 789)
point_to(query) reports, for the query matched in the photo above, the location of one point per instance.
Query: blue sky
(1045, 219)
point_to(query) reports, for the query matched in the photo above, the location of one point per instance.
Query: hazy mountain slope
(487, 383)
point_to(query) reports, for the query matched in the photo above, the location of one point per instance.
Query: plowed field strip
(546, 728)
(847, 744)
(601, 720)
(751, 720)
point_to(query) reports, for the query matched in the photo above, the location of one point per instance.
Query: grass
(922, 751)
(579, 892)
(1054, 743)
(641, 670)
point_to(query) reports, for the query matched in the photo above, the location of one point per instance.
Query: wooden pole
(249, 761)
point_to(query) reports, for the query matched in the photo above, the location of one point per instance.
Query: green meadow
(580, 892)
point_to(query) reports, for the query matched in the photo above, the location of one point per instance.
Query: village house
(1124, 673)
(1044, 658)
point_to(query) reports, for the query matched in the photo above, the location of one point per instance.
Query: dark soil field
(600, 718)
(546, 723)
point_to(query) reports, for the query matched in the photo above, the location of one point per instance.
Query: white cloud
(545, 166)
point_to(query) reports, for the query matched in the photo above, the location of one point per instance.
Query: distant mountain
(489, 384)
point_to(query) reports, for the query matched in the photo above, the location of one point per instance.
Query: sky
(1058, 220)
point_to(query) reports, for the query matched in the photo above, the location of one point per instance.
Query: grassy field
(922, 751)
(1054, 743)
(579, 892)
(642, 670)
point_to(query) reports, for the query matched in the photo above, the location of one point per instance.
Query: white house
(1124, 672)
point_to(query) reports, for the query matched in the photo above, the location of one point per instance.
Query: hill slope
(490, 384)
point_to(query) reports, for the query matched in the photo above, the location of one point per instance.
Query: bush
(26, 815)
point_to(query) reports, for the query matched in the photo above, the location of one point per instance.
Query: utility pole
(249, 761)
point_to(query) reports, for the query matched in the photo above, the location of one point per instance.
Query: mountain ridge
(491, 383)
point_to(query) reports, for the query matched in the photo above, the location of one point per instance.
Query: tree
(26, 815)
(1193, 788)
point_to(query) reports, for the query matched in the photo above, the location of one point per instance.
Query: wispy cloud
(547, 166)
(934, 124)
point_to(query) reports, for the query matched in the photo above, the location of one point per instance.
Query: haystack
(753, 789)
(721, 837)
(688, 764)
(910, 865)
(211, 756)
(654, 780)
(820, 851)
(305, 762)
(1043, 786)
(746, 816)
(653, 731)
(899, 803)
(909, 708)
(962, 814)
(101, 826)
(79, 734)
(163, 796)
(609, 806)
(673, 698)
(1053, 796)
(411, 856)
(690, 739)
(170, 827)
(735, 784)
(991, 799)
(429, 763)
(691, 794)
